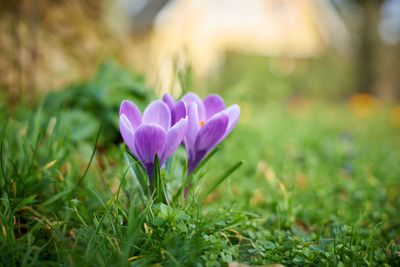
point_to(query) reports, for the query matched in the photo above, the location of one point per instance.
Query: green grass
(318, 186)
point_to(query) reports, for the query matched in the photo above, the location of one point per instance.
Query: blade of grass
(186, 182)
(1, 162)
(206, 159)
(90, 161)
(34, 154)
(108, 208)
(25, 201)
(56, 196)
(139, 173)
(219, 180)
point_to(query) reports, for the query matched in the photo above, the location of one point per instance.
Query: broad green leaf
(158, 185)
(158, 221)
(182, 227)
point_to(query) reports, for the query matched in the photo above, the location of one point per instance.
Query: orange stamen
(202, 123)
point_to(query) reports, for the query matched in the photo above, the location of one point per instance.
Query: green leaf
(182, 227)
(139, 173)
(158, 221)
(181, 215)
(268, 245)
(158, 185)
(165, 210)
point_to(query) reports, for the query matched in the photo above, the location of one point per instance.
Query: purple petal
(127, 132)
(193, 128)
(179, 111)
(132, 113)
(233, 113)
(149, 139)
(159, 113)
(192, 97)
(213, 104)
(169, 100)
(211, 132)
(175, 135)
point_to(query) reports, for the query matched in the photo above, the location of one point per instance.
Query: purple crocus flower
(151, 133)
(178, 109)
(209, 123)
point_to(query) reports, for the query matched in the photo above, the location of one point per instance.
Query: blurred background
(317, 81)
(328, 49)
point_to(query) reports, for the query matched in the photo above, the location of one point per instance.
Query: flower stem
(191, 166)
(149, 168)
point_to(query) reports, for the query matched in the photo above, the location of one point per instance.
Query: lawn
(319, 184)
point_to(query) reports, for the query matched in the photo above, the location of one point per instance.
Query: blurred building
(46, 44)
(200, 33)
